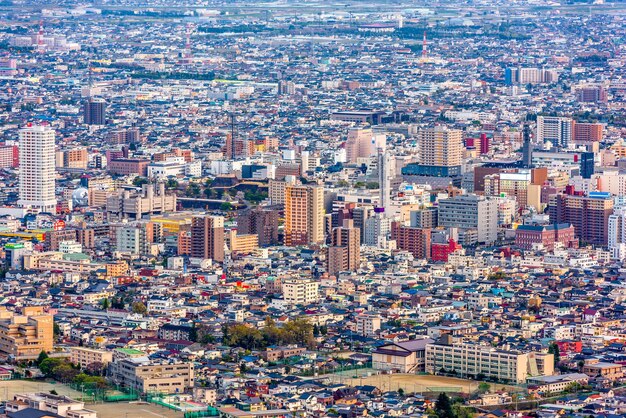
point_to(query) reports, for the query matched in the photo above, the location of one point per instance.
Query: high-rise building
(261, 222)
(344, 252)
(617, 234)
(94, 112)
(417, 241)
(589, 214)
(592, 94)
(527, 148)
(587, 132)
(440, 146)
(484, 144)
(25, 335)
(363, 143)
(471, 212)
(37, 173)
(529, 75)
(587, 164)
(555, 129)
(304, 215)
(207, 237)
(384, 179)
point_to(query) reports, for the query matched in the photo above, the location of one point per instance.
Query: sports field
(8, 388)
(412, 382)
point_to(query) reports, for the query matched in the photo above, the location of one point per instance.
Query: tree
(193, 333)
(171, 184)
(42, 357)
(95, 368)
(316, 330)
(554, 349)
(400, 392)
(140, 181)
(48, 365)
(484, 387)
(105, 304)
(139, 308)
(56, 330)
(443, 407)
(226, 206)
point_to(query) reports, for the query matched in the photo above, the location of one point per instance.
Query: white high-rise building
(37, 172)
(384, 179)
(617, 234)
(557, 130)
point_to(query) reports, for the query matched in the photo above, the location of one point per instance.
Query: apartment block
(27, 334)
(300, 291)
(84, 356)
(147, 377)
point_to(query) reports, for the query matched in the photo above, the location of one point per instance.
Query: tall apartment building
(74, 158)
(363, 143)
(304, 215)
(471, 212)
(367, 325)
(440, 146)
(94, 111)
(529, 75)
(592, 94)
(207, 237)
(557, 130)
(9, 156)
(145, 376)
(37, 173)
(26, 334)
(469, 361)
(277, 189)
(417, 241)
(344, 252)
(617, 234)
(587, 132)
(300, 291)
(137, 238)
(262, 222)
(511, 184)
(589, 215)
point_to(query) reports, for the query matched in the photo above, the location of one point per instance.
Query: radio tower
(188, 57)
(424, 50)
(40, 45)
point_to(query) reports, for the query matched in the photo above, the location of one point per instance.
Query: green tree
(400, 392)
(316, 330)
(484, 387)
(48, 365)
(105, 304)
(443, 407)
(42, 356)
(193, 333)
(554, 349)
(140, 181)
(372, 185)
(226, 206)
(139, 308)
(171, 184)
(56, 330)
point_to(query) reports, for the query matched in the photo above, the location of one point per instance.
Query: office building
(377, 229)
(344, 252)
(26, 334)
(470, 361)
(37, 173)
(128, 166)
(424, 218)
(144, 376)
(207, 237)
(45, 405)
(94, 112)
(556, 130)
(300, 291)
(153, 199)
(304, 215)
(529, 236)
(589, 214)
(471, 212)
(587, 164)
(617, 234)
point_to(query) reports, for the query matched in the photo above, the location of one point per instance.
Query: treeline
(297, 331)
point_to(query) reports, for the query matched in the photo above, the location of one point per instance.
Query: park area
(8, 388)
(411, 383)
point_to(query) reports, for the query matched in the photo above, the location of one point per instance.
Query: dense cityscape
(312, 209)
